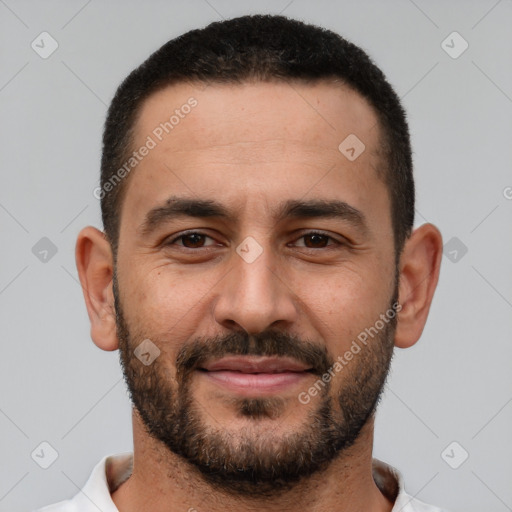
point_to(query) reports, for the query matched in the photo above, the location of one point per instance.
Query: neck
(164, 482)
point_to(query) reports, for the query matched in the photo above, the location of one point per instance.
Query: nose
(256, 295)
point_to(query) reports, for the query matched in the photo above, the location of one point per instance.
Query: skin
(251, 147)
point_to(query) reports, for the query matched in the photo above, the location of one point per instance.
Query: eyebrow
(179, 207)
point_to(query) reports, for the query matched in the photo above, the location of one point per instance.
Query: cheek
(342, 316)
(165, 304)
(349, 304)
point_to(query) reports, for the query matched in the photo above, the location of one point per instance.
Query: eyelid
(298, 236)
(182, 234)
(306, 232)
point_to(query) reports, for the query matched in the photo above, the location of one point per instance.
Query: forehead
(322, 113)
(254, 139)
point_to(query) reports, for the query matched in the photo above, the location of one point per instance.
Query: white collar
(115, 469)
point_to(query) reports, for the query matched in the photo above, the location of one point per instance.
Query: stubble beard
(251, 462)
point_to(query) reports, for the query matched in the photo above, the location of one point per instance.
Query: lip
(254, 376)
(256, 364)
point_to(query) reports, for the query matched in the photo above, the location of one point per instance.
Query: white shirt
(113, 470)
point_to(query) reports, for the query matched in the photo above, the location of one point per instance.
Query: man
(257, 268)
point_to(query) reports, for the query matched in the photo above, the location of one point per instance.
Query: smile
(255, 375)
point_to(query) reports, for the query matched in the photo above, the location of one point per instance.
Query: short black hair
(259, 48)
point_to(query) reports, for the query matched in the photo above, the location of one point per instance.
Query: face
(259, 261)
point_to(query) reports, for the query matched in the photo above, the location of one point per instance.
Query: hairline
(381, 150)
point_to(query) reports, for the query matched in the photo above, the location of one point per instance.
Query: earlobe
(419, 273)
(94, 261)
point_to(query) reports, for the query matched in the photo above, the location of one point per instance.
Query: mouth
(254, 376)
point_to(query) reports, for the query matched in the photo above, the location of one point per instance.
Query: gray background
(454, 385)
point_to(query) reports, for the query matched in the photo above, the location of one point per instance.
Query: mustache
(271, 343)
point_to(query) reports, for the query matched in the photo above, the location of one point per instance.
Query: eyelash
(309, 233)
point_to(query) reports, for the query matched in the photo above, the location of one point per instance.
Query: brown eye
(314, 240)
(317, 240)
(191, 240)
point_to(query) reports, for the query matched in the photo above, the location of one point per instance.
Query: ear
(95, 264)
(419, 272)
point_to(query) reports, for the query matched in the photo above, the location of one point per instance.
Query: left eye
(315, 239)
(196, 240)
